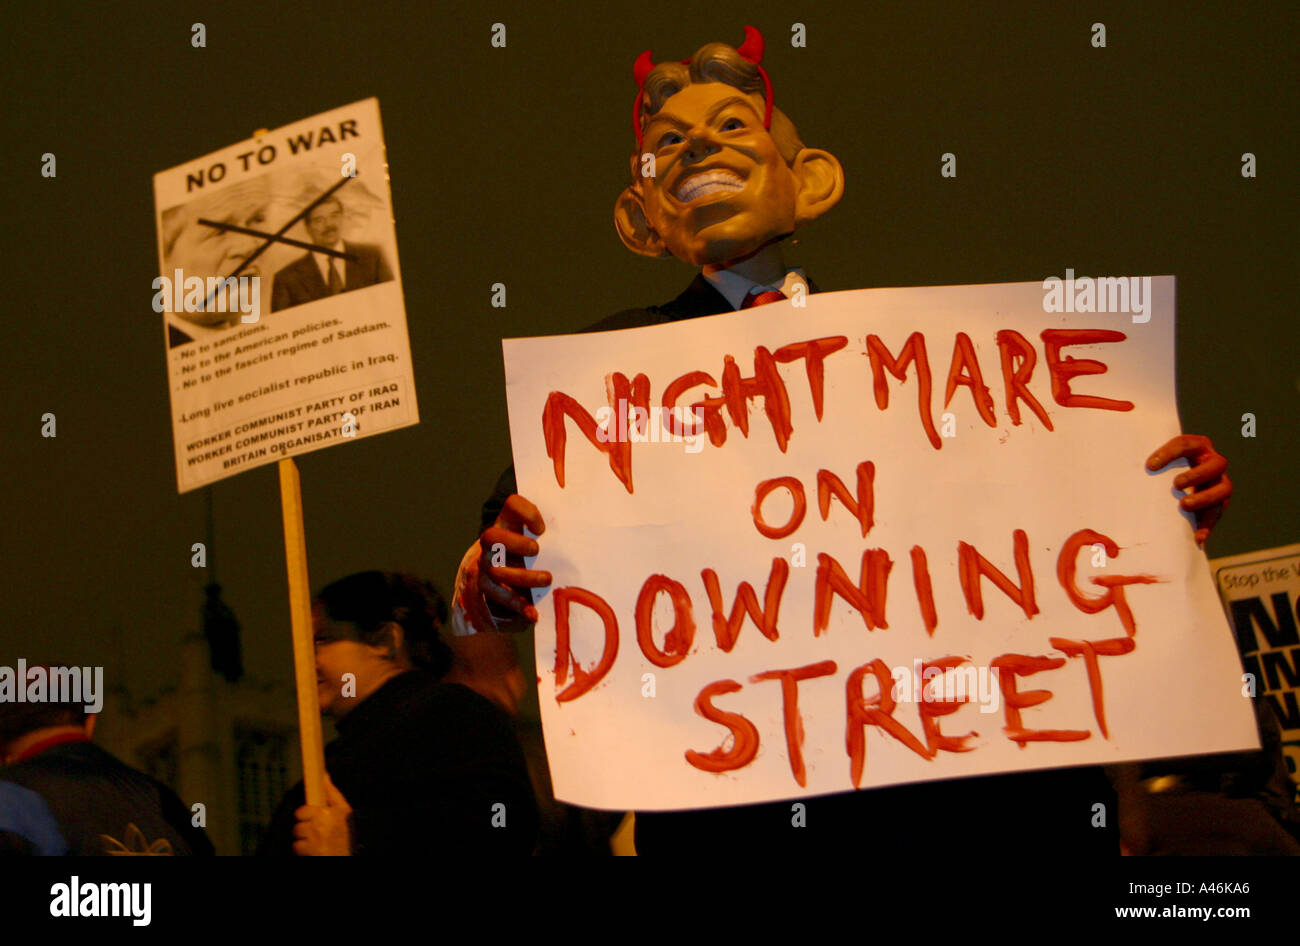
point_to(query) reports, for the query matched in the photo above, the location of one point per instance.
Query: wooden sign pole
(304, 651)
(310, 740)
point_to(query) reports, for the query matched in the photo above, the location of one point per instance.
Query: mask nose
(700, 148)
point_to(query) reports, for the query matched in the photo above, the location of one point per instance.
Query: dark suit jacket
(301, 280)
(1048, 813)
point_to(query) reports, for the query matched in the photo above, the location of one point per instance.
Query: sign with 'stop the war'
(1261, 592)
(888, 536)
(281, 296)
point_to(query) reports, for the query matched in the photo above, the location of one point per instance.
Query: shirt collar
(50, 742)
(735, 287)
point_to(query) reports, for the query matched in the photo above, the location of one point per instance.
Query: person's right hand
(491, 594)
(326, 830)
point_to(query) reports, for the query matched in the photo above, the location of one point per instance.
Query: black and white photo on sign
(338, 239)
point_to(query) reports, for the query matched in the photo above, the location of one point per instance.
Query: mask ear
(821, 183)
(633, 227)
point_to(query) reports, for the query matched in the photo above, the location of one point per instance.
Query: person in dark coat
(62, 794)
(731, 181)
(419, 765)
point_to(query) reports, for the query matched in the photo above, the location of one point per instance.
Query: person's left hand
(324, 831)
(1206, 474)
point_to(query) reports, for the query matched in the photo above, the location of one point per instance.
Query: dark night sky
(505, 164)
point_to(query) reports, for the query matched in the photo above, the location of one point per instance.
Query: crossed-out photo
(304, 235)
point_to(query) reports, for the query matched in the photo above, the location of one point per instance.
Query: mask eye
(671, 138)
(732, 124)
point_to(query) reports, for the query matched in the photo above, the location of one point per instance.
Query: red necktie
(762, 297)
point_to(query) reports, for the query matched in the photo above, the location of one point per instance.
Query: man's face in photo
(202, 250)
(721, 187)
(206, 251)
(325, 223)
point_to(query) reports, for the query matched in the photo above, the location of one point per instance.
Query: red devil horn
(752, 47)
(641, 68)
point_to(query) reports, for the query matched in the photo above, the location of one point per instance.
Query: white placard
(306, 347)
(1261, 591)
(641, 712)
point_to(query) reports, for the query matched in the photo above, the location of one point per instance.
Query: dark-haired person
(317, 275)
(62, 794)
(419, 765)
